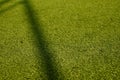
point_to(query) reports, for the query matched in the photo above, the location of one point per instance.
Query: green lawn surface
(59, 39)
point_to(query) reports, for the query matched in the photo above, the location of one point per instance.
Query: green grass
(59, 40)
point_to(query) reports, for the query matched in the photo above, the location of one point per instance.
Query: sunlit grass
(83, 37)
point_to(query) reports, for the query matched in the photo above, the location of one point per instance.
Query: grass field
(59, 39)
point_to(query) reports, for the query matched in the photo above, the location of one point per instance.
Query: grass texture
(59, 39)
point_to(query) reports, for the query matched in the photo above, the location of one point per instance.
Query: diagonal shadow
(9, 8)
(47, 57)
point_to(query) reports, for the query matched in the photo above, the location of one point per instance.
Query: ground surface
(59, 39)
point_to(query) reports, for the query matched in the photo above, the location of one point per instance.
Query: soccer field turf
(59, 39)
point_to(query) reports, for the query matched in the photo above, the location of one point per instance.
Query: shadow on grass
(9, 8)
(4, 2)
(47, 57)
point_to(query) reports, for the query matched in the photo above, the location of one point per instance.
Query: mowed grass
(59, 39)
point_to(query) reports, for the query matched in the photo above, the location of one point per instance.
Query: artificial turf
(59, 39)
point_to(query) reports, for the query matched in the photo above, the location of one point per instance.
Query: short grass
(59, 39)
